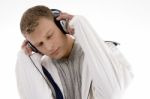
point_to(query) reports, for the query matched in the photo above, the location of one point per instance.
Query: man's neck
(70, 43)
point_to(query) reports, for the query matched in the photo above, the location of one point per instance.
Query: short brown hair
(31, 16)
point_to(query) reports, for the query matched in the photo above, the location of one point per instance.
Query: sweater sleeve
(110, 72)
(31, 84)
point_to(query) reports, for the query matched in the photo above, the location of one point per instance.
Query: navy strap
(55, 86)
(115, 43)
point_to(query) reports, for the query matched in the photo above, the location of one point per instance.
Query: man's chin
(56, 57)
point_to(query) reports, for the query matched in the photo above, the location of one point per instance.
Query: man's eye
(40, 44)
(48, 37)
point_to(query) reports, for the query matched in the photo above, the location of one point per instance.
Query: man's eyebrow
(49, 32)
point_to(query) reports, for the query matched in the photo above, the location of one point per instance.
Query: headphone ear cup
(61, 24)
(34, 49)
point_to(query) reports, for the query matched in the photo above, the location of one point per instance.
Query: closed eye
(49, 36)
(40, 44)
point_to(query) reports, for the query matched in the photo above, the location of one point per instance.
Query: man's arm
(109, 74)
(31, 84)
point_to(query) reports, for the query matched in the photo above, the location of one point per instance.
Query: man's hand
(67, 17)
(26, 48)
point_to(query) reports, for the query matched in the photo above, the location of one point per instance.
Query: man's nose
(49, 46)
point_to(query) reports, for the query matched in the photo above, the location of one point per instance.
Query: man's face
(48, 39)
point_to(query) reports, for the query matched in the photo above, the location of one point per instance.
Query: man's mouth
(55, 52)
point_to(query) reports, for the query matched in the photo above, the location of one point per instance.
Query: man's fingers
(24, 43)
(26, 48)
(64, 16)
(67, 17)
(70, 30)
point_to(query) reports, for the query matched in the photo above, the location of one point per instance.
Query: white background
(124, 21)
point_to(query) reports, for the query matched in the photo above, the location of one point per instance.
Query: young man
(38, 27)
(67, 67)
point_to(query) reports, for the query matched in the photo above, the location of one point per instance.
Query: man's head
(31, 17)
(38, 26)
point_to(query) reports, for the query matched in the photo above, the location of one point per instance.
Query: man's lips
(54, 52)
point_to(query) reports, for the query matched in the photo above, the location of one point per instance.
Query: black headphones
(61, 24)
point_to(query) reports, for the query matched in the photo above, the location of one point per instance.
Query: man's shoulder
(45, 60)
